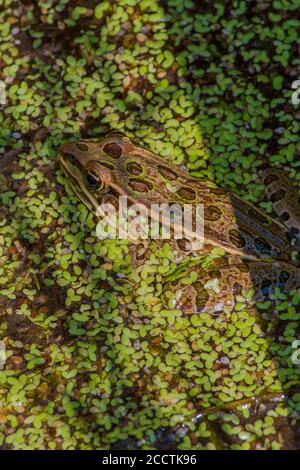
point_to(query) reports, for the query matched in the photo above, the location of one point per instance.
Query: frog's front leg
(285, 198)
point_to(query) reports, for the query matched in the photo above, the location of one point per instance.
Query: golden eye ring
(93, 180)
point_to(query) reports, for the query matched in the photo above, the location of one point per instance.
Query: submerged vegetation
(96, 356)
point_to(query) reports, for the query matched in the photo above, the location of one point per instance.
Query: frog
(260, 252)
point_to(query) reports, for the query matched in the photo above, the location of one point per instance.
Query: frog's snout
(66, 150)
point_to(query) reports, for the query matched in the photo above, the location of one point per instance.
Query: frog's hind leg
(229, 280)
(285, 198)
(267, 277)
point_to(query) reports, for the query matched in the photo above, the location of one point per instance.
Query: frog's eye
(93, 179)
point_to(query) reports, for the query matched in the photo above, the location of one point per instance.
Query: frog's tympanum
(260, 252)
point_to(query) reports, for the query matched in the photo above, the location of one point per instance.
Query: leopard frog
(258, 248)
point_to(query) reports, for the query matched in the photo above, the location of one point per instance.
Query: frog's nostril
(67, 155)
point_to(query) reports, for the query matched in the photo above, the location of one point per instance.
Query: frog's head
(93, 168)
(115, 166)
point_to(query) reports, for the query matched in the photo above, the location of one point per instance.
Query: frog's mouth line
(75, 181)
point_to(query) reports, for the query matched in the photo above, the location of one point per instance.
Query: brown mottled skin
(258, 248)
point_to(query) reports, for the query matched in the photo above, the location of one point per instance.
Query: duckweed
(98, 354)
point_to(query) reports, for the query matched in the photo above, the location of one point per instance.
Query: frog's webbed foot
(285, 198)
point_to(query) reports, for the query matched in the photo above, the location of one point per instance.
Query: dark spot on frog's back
(187, 193)
(83, 147)
(212, 213)
(256, 215)
(113, 150)
(134, 168)
(280, 194)
(236, 238)
(141, 186)
(166, 173)
(262, 246)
